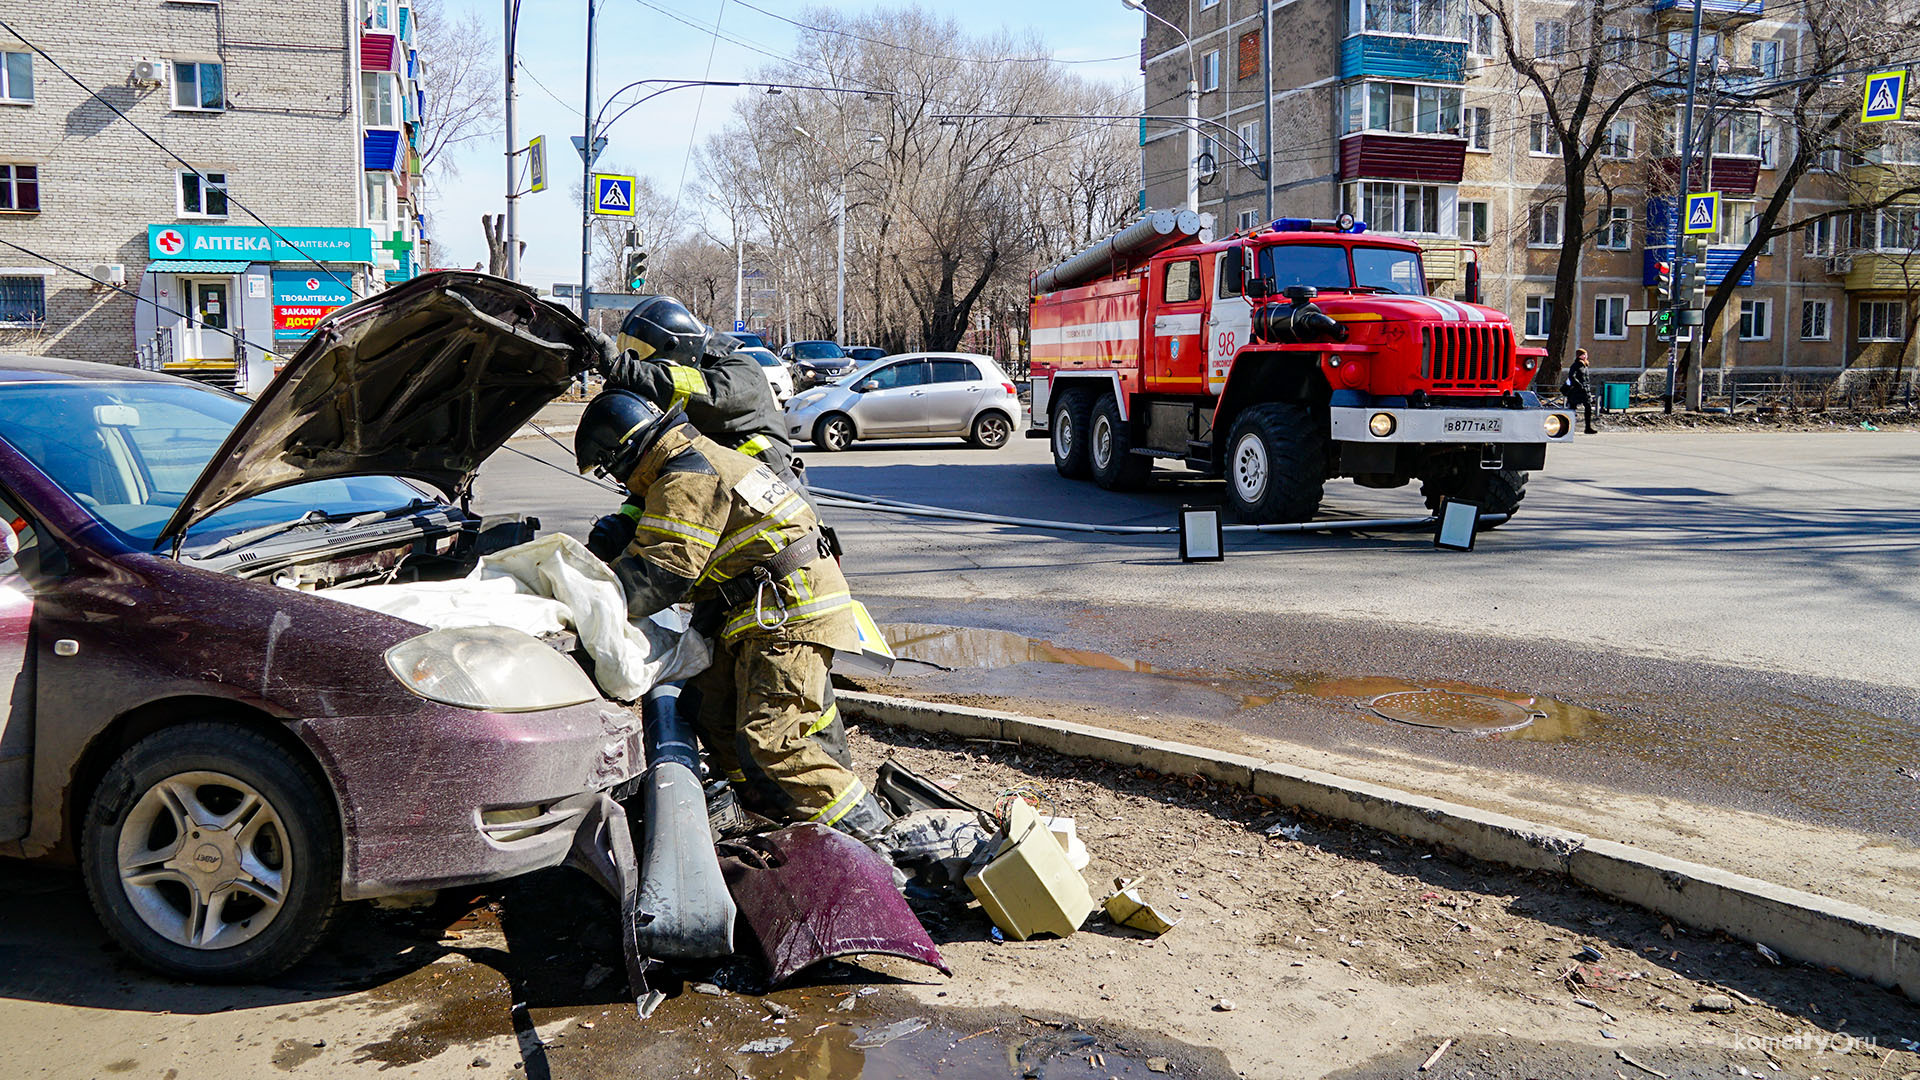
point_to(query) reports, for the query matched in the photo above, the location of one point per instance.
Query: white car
(910, 396)
(778, 377)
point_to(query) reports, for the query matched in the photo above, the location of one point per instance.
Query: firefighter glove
(610, 536)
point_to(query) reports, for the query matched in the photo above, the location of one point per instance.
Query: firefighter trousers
(770, 725)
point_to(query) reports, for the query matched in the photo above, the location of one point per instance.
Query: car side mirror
(868, 386)
(1259, 288)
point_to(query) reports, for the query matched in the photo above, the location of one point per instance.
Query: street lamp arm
(1247, 152)
(682, 84)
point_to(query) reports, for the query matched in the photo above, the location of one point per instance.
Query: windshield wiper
(311, 517)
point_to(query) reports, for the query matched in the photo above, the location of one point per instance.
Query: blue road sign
(1886, 95)
(613, 195)
(1703, 213)
(739, 326)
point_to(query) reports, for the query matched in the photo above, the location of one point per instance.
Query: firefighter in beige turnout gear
(720, 529)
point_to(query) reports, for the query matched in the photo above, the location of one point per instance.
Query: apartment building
(237, 168)
(1404, 113)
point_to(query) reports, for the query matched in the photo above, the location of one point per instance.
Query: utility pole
(739, 278)
(1266, 97)
(1680, 201)
(586, 182)
(512, 15)
(1193, 105)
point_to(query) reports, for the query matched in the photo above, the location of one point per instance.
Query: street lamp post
(512, 15)
(1193, 104)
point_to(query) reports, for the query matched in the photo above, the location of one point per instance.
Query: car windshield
(816, 350)
(766, 358)
(129, 451)
(1324, 266)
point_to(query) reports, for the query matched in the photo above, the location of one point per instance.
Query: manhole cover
(1475, 714)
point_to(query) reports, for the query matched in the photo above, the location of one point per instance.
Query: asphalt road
(1740, 609)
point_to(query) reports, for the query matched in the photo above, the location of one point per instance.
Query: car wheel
(1068, 433)
(212, 853)
(833, 432)
(991, 430)
(1276, 463)
(1110, 456)
(1494, 491)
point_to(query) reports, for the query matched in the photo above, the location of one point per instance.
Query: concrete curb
(1866, 944)
(555, 430)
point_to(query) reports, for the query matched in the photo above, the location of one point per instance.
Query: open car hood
(425, 380)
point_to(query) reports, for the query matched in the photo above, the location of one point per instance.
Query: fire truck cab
(1280, 359)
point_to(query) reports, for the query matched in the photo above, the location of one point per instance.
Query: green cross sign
(399, 245)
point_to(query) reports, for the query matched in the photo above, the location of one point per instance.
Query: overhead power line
(929, 55)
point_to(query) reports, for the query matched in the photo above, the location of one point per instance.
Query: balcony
(1426, 158)
(379, 52)
(1712, 12)
(381, 150)
(1881, 271)
(1393, 56)
(1731, 175)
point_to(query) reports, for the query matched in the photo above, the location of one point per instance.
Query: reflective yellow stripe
(738, 776)
(837, 809)
(687, 382)
(705, 537)
(768, 526)
(632, 511)
(824, 605)
(756, 446)
(826, 719)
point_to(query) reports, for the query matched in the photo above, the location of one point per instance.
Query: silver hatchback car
(910, 396)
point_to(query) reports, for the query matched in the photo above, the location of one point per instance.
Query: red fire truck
(1278, 359)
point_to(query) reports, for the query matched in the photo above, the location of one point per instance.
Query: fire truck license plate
(1475, 425)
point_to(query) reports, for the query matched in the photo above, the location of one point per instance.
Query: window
(1610, 318)
(1617, 144)
(1899, 229)
(203, 197)
(1397, 208)
(20, 189)
(1819, 235)
(1249, 219)
(1228, 269)
(377, 14)
(376, 99)
(1480, 34)
(1616, 229)
(379, 207)
(1473, 221)
(1403, 108)
(1737, 134)
(1539, 321)
(1543, 227)
(1210, 70)
(1208, 3)
(1882, 320)
(199, 87)
(1680, 46)
(1816, 320)
(1542, 139)
(894, 376)
(1549, 38)
(1900, 145)
(1182, 282)
(1480, 128)
(1766, 57)
(23, 299)
(955, 371)
(1829, 160)
(1769, 157)
(1210, 155)
(16, 77)
(1617, 46)
(1249, 133)
(1755, 320)
(1428, 18)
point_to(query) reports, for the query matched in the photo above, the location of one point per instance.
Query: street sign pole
(1680, 201)
(586, 181)
(513, 151)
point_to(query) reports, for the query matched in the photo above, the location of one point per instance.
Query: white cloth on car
(548, 586)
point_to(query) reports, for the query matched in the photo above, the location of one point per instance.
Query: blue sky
(638, 41)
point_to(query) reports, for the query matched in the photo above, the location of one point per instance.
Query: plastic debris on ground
(1029, 887)
(899, 1029)
(766, 1046)
(1126, 907)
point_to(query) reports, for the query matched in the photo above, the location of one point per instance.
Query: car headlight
(1556, 425)
(489, 667)
(801, 401)
(1382, 424)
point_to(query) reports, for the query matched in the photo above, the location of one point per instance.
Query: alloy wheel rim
(993, 431)
(837, 434)
(1250, 468)
(204, 860)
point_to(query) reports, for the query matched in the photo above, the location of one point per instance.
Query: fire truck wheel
(1276, 463)
(1069, 433)
(1110, 454)
(1496, 491)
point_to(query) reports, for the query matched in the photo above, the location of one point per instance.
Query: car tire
(1067, 433)
(151, 885)
(834, 432)
(1494, 491)
(1276, 463)
(1110, 456)
(991, 430)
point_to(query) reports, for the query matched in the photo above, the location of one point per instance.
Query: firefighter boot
(866, 822)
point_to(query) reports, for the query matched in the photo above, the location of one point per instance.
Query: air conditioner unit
(1840, 264)
(1472, 67)
(149, 72)
(111, 273)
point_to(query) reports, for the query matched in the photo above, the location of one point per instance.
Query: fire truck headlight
(1382, 424)
(1529, 362)
(1557, 425)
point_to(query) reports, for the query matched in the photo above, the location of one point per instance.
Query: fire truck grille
(1466, 356)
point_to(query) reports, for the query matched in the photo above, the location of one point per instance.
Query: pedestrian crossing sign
(1886, 95)
(1703, 213)
(613, 195)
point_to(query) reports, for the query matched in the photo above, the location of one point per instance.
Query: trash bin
(1613, 396)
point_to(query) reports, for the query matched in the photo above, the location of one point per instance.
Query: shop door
(212, 316)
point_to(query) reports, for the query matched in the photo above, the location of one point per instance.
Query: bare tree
(495, 226)
(460, 59)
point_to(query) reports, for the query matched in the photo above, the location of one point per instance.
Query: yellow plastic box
(1030, 888)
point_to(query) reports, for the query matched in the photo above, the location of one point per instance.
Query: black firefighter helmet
(662, 326)
(617, 427)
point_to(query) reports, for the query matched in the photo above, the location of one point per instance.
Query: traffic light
(636, 270)
(1663, 325)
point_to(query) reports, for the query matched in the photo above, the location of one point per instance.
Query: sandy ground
(1305, 949)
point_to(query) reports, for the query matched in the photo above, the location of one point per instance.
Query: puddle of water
(925, 647)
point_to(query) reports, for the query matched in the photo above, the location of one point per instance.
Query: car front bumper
(446, 796)
(1442, 425)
